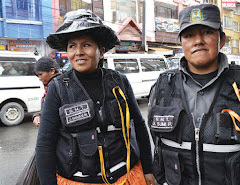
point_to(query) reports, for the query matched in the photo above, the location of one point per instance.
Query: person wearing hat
(45, 69)
(193, 109)
(91, 129)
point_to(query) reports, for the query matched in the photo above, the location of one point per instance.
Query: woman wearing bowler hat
(91, 129)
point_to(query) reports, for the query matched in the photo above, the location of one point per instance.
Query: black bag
(29, 174)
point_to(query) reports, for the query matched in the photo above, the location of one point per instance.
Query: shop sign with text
(24, 45)
(229, 3)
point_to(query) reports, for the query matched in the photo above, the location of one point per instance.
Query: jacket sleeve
(142, 134)
(158, 165)
(48, 137)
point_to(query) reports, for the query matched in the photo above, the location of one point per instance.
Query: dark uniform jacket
(73, 126)
(191, 150)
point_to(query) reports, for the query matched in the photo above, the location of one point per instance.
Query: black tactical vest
(179, 127)
(85, 127)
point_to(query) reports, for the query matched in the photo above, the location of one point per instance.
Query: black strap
(166, 81)
(58, 88)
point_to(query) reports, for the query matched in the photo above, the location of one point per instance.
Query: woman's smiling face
(84, 54)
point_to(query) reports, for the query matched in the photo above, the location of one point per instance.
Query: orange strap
(233, 114)
(236, 90)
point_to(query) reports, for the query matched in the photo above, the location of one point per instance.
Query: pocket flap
(163, 119)
(77, 114)
(87, 142)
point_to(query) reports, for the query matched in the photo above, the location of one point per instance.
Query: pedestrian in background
(91, 130)
(193, 109)
(45, 69)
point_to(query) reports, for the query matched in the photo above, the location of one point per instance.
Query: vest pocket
(172, 167)
(164, 122)
(88, 152)
(66, 151)
(226, 132)
(233, 168)
(164, 119)
(115, 112)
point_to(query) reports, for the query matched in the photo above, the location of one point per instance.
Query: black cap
(203, 14)
(79, 22)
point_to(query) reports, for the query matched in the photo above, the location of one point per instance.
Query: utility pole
(143, 28)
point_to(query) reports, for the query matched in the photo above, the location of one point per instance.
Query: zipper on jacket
(197, 137)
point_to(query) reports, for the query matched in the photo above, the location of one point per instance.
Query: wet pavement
(17, 144)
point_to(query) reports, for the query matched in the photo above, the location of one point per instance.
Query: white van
(142, 70)
(20, 90)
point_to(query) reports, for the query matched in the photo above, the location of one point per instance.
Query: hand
(150, 180)
(36, 121)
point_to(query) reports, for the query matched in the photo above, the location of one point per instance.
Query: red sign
(229, 3)
(64, 55)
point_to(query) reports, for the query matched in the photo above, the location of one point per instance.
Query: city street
(17, 144)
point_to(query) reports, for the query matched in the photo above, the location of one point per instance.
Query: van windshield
(126, 65)
(12, 66)
(153, 64)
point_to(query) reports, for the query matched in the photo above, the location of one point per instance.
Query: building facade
(24, 25)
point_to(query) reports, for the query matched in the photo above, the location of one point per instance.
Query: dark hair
(45, 64)
(221, 32)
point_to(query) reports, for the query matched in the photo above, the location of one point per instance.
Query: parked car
(142, 70)
(20, 90)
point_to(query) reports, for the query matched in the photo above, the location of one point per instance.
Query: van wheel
(12, 114)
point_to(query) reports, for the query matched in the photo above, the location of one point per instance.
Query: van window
(126, 65)
(10, 66)
(153, 64)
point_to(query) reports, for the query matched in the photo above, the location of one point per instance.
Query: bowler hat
(80, 22)
(203, 14)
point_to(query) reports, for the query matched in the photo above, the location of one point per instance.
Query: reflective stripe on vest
(113, 169)
(206, 147)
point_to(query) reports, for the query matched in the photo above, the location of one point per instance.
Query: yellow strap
(233, 116)
(126, 138)
(104, 178)
(236, 90)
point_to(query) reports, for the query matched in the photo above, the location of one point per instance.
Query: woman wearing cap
(91, 129)
(45, 69)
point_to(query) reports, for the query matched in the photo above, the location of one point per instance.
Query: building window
(227, 22)
(235, 26)
(166, 10)
(83, 4)
(238, 27)
(123, 9)
(235, 43)
(211, 1)
(0, 8)
(24, 10)
(237, 9)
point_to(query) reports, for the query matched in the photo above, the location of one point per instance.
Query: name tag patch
(163, 122)
(77, 112)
